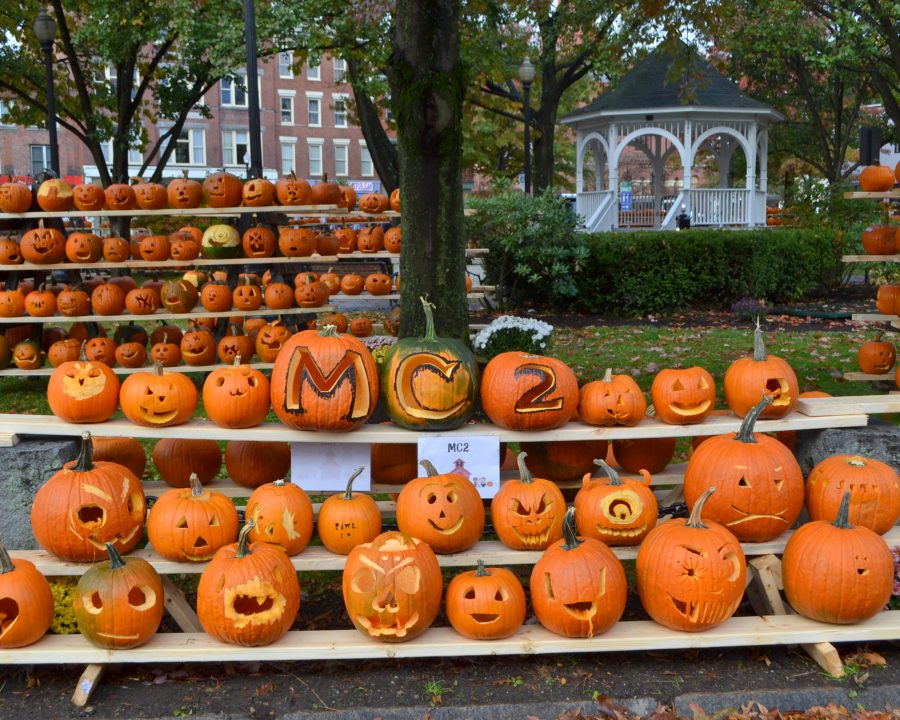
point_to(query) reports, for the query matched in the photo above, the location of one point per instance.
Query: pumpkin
(216, 297)
(374, 203)
(61, 351)
(118, 603)
(247, 295)
(116, 249)
(349, 519)
(392, 587)
(222, 190)
(887, 299)
(120, 196)
(131, 355)
(394, 200)
(182, 247)
(108, 299)
(391, 321)
(221, 241)
(158, 398)
(563, 461)
(254, 463)
(528, 392)
(178, 295)
(327, 245)
(352, 284)
(874, 489)
(393, 238)
(282, 515)
(394, 464)
(5, 352)
(80, 391)
(40, 302)
(292, 191)
(191, 524)
(876, 178)
(101, 350)
(176, 459)
(43, 245)
(879, 240)
(198, 346)
(324, 381)
(258, 192)
(278, 296)
(325, 193)
(823, 556)
(86, 505)
(296, 242)
(485, 603)
(12, 303)
(149, 196)
(15, 197)
(378, 284)
(443, 509)
(55, 195)
(258, 241)
(73, 302)
(370, 239)
(10, 254)
(760, 484)
(614, 400)
(683, 396)
(248, 594)
(339, 320)
(747, 380)
(167, 354)
(348, 197)
(578, 586)
(346, 239)
(615, 510)
(876, 356)
(121, 450)
(26, 601)
(234, 346)
(270, 339)
(236, 396)
(28, 355)
(142, 301)
(527, 513)
(690, 573)
(83, 247)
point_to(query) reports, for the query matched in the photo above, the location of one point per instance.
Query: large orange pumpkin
(158, 398)
(80, 391)
(614, 510)
(748, 379)
(527, 513)
(683, 396)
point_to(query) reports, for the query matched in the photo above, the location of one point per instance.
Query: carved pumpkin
(293, 191)
(12, 303)
(270, 339)
(221, 241)
(346, 239)
(614, 510)
(183, 247)
(374, 203)
(184, 193)
(176, 459)
(198, 346)
(378, 284)
(158, 398)
(395, 200)
(108, 299)
(748, 379)
(61, 351)
(155, 248)
(15, 197)
(391, 321)
(352, 284)
(73, 302)
(486, 603)
(236, 396)
(55, 195)
(166, 353)
(247, 295)
(370, 239)
(191, 524)
(116, 249)
(254, 463)
(392, 587)
(120, 196)
(10, 254)
(40, 302)
(178, 295)
(296, 242)
(43, 245)
(235, 344)
(349, 519)
(614, 400)
(216, 296)
(527, 513)
(258, 241)
(876, 356)
(887, 298)
(131, 355)
(393, 239)
(282, 515)
(348, 197)
(80, 391)
(150, 196)
(142, 301)
(26, 601)
(101, 350)
(258, 192)
(683, 396)
(84, 247)
(278, 296)
(360, 327)
(222, 190)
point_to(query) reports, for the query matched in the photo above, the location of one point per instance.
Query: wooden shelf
(872, 317)
(872, 195)
(161, 315)
(868, 377)
(870, 258)
(849, 404)
(306, 210)
(118, 370)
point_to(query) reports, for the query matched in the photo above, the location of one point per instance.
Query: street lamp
(526, 75)
(45, 31)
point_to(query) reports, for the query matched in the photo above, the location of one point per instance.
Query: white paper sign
(328, 466)
(475, 458)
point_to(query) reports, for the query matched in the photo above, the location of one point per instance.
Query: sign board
(365, 186)
(475, 458)
(625, 199)
(328, 466)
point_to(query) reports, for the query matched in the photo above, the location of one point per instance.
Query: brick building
(303, 119)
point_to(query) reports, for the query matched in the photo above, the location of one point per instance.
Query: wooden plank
(118, 370)
(306, 210)
(179, 608)
(870, 258)
(872, 317)
(198, 311)
(858, 195)
(87, 683)
(324, 645)
(868, 377)
(202, 428)
(8, 439)
(850, 404)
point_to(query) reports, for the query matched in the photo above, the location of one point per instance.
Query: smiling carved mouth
(450, 530)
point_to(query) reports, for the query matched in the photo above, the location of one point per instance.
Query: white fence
(717, 206)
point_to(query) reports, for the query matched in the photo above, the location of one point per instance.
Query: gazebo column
(764, 160)
(751, 174)
(599, 165)
(687, 164)
(579, 165)
(612, 141)
(658, 162)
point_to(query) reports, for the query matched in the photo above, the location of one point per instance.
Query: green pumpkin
(429, 383)
(221, 241)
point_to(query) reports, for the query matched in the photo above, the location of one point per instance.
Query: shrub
(507, 333)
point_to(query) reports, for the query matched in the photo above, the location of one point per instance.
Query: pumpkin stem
(85, 459)
(237, 360)
(480, 569)
(745, 434)
(611, 473)
(843, 514)
(570, 534)
(82, 353)
(879, 335)
(196, 486)
(429, 319)
(115, 560)
(856, 461)
(158, 368)
(695, 520)
(607, 376)
(759, 344)
(6, 563)
(429, 468)
(525, 476)
(348, 493)
(329, 331)
(244, 539)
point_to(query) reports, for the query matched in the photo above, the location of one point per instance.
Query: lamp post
(45, 31)
(526, 75)
(255, 170)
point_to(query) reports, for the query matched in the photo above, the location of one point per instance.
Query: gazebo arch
(685, 113)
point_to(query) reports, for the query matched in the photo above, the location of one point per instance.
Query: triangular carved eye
(743, 482)
(181, 524)
(677, 385)
(469, 594)
(520, 509)
(702, 383)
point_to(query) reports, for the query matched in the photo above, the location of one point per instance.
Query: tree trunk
(543, 159)
(427, 87)
(382, 150)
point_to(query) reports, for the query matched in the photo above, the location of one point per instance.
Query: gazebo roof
(648, 86)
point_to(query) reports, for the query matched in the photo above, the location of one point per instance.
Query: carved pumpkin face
(120, 197)
(27, 355)
(247, 296)
(348, 197)
(395, 200)
(15, 197)
(64, 350)
(485, 604)
(184, 193)
(9, 252)
(155, 248)
(236, 396)
(40, 302)
(313, 294)
(283, 515)
(527, 513)
(150, 196)
(258, 192)
(373, 203)
(131, 354)
(198, 347)
(12, 303)
(393, 239)
(378, 284)
(614, 400)
(278, 296)
(43, 246)
(83, 392)
(158, 399)
(270, 339)
(346, 239)
(258, 241)
(370, 239)
(296, 242)
(683, 396)
(178, 295)
(293, 191)
(101, 349)
(166, 353)
(392, 587)
(876, 356)
(216, 297)
(184, 248)
(142, 301)
(83, 247)
(352, 284)
(361, 327)
(116, 249)
(747, 379)
(614, 510)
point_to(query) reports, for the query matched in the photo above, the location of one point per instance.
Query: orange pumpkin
(158, 398)
(55, 195)
(222, 190)
(292, 191)
(236, 396)
(80, 391)
(120, 196)
(349, 519)
(254, 463)
(614, 400)
(27, 600)
(486, 603)
(150, 196)
(527, 513)
(282, 515)
(15, 197)
(747, 380)
(258, 192)
(615, 510)
(184, 193)
(683, 396)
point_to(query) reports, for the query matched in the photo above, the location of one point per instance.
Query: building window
(341, 164)
(4, 113)
(313, 72)
(314, 115)
(40, 159)
(315, 158)
(135, 157)
(287, 110)
(235, 147)
(340, 112)
(190, 148)
(288, 158)
(340, 69)
(285, 65)
(366, 166)
(112, 77)
(234, 91)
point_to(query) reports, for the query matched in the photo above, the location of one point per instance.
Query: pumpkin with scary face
(86, 505)
(158, 398)
(614, 400)
(248, 594)
(258, 241)
(691, 573)
(15, 197)
(198, 346)
(27, 602)
(88, 196)
(486, 603)
(527, 513)
(191, 524)
(80, 391)
(614, 510)
(43, 245)
(348, 197)
(270, 339)
(235, 344)
(258, 192)
(222, 190)
(392, 587)
(876, 356)
(118, 603)
(236, 396)
(282, 515)
(683, 396)
(116, 249)
(443, 509)
(578, 586)
(748, 379)
(293, 191)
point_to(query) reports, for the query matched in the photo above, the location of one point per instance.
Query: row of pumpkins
(45, 245)
(218, 190)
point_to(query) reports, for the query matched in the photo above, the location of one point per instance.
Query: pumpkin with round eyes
(248, 594)
(821, 556)
(270, 339)
(293, 191)
(691, 573)
(222, 190)
(96, 502)
(352, 284)
(183, 247)
(258, 241)
(178, 295)
(392, 587)
(12, 303)
(253, 463)
(158, 398)
(198, 346)
(15, 197)
(142, 301)
(247, 295)
(184, 193)
(101, 350)
(563, 461)
(348, 197)
(578, 586)
(155, 248)
(282, 515)
(40, 302)
(393, 239)
(43, 245)
(485, 603)
(216, 297)
(26, 599)
(131, 355)
(149, 196)
(191, 524)
(116, 249)
(118, 603)
(349, 519)
(278, 296)
(28, 355)
(370, 239)
(614, 510)
(877, 356)
(360, 327)
(84, 247)
(80, 391)
(395, 200)
(176, 459)
(88, 196)
(683, 396)
(55, 195)
(443, 509)
(296, 242)
(10, 254)
(378, 284)
(235, 344)
(374, 203)
(167, 353)
(221, 241)
(614, 400)
(258, 192)
(760, 483)
(120, 196)
(236, 396)
(527, 513)
(73, 302)
(748, 379)
(346, 239)
(65, 350)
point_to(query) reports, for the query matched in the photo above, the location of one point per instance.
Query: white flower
(538, 330)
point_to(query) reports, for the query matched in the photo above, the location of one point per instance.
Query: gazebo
(651, 126)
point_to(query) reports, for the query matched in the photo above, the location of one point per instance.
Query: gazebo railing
(718, 206)
(594, 208)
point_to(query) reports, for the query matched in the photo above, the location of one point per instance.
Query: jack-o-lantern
(184, 193)
(142, 301)
(73, 302)
(282, 515)
(15, 197)
(248, 594)
(166, 352)
(55, 195)
(578, 586)
(88, 196)
(40, 302)
(339, 320)
(614, 400)
(80, 391)
(393, 239)
(233, 345)
(222, 190)
(378, 284)
(760, 483)
(394, 199)
(332, 280)
(278, 296)
(61, 351)
(10, 254)
(876, 356)
(296, 242)
(370, 239)
(360, 327)
(108, 299)
(236, 396)
(443, 509)
(120, 196)
(614, 510)
(158, 398)
(748, 379)
(313, 293)
(86, 505)
(683, 396)
(116, 249)
(270, 339)
(178, 295)
(258, 192)
(118, 603)
(485, 603)
(837, 572)
(216, 297)
(12, 303)
(346, 239)
(691, 573)
(183, 247)
(528, 392)
(101, 349)
(391, 321)
(155, 248)
(352, 284)
(191, 524)
(348, 197)
(349, 519)
(392, 587)
(292, 191)
(43, 245)
(221, 241)
(258, 241)
(27, 354)
(131, 355)
(27, 602)
(247, 295)
(527, 513)
(149, 196)
(84, 247)
(324, 381)
(374, 203)
(198, 346)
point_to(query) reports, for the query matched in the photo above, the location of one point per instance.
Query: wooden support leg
(88, 681)
(179, 608)
(764, 592)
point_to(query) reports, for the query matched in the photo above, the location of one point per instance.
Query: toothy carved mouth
(622, 533)
(689, 609)
(450, 530)
(584, 610)
(397, 629)
(539, 540)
